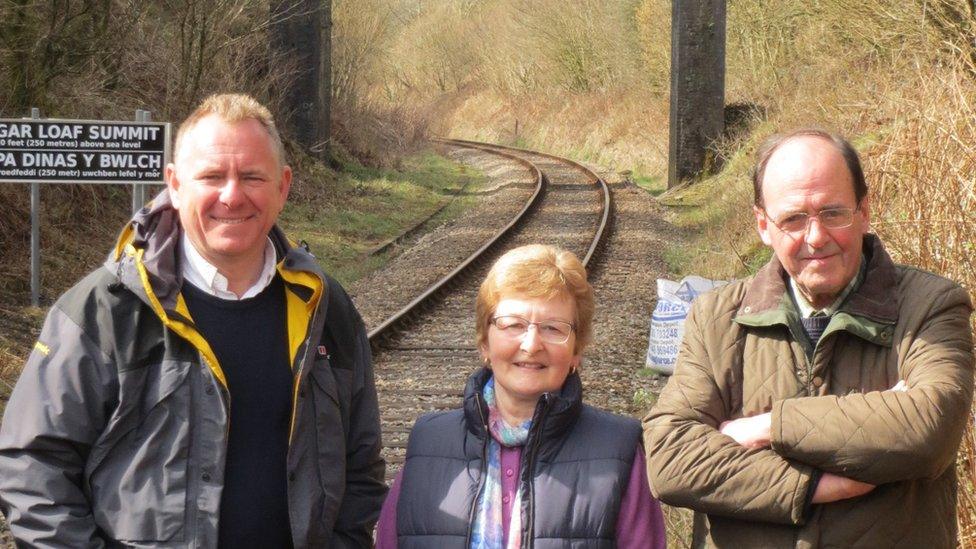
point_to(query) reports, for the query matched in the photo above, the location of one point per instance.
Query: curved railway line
(424, 351)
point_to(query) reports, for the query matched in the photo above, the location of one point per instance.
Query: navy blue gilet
(575, 467)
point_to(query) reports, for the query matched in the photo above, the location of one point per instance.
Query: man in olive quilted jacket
(821, 402)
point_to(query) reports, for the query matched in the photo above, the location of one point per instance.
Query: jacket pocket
(331, 408)
(139, 486)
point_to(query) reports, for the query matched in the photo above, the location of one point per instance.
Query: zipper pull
(481, 411)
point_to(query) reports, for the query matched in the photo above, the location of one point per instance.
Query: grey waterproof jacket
(116, 433)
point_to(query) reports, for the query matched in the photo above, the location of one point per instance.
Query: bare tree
(41, 41)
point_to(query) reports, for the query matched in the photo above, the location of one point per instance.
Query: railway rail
(424, 351)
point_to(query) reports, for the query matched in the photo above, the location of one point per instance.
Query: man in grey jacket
(120, 431)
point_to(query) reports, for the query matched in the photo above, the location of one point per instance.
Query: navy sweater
(250, 339)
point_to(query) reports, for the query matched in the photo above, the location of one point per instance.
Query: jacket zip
(298, 375)
(204, 361)
(484, 463)
(529, 466)
(528, 526)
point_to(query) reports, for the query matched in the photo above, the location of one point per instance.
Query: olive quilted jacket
(745, 353)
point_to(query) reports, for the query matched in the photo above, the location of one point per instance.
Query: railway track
(423, 352)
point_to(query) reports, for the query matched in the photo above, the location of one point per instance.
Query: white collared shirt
(199, 272)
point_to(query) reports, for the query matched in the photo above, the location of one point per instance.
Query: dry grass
(592, 127)
(925, 191)
(678, 523)
(924, 168)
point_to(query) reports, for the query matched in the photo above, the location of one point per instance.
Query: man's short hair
(232, 107)
(774, 142)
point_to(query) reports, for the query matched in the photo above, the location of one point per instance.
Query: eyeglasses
(798, 222)
(556, 332)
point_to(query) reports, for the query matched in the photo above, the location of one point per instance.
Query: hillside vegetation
(589, 79)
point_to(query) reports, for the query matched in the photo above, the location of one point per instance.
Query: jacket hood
(154, 233)
(558, 410)
(872, 298)
(156, 230)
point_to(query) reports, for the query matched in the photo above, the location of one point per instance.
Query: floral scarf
(487, 532)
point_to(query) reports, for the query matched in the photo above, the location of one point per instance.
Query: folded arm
(691, 464)
(888, 436)
(755, 432)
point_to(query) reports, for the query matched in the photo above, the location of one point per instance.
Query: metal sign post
(137, 198)
(35, 150)
(35, 243)
(138, 190)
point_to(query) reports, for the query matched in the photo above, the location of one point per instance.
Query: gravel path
(624, 282)
(5, 539)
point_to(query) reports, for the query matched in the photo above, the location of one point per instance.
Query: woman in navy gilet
(524, 463)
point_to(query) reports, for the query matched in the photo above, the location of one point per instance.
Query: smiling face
(526, 368)
(229, 186)
(809, 175)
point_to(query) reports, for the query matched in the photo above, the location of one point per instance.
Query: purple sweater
(639, 526)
